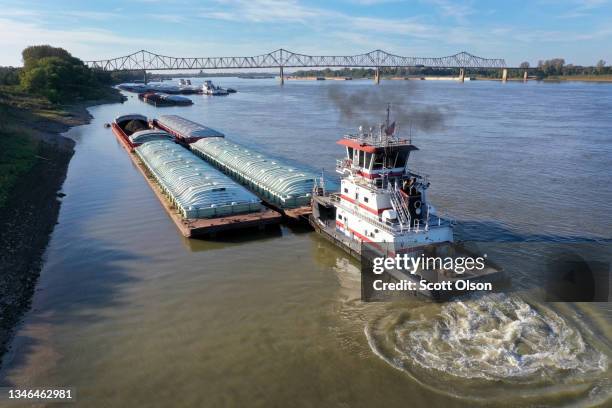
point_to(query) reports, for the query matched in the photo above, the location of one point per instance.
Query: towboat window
(368, 160)
(390, 160)
(402, 157)
(345, 190)
(378, 163)
(361, 153)
(365, 199)
(349, 153)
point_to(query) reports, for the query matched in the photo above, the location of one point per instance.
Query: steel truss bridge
(147, 61)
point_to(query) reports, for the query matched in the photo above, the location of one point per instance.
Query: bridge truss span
(148, 61)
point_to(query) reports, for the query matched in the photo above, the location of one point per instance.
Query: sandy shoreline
(30, 214)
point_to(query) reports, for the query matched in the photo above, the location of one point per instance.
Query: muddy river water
(129, 313)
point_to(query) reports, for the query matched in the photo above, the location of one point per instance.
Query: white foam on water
(496, 338)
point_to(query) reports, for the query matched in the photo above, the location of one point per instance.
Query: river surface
(129, 313)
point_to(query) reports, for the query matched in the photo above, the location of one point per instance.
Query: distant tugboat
(383, 205)
(208, 88)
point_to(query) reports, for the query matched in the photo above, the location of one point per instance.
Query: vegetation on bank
(19, 145)
(18, 152)
(38, 93)
(554, 68)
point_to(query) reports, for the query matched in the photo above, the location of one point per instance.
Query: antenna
(388, 114)
(323, 181)
(410, 132)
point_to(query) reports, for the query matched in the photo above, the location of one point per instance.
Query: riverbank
(34, 159)
(580, 78)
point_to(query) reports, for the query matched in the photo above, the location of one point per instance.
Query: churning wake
(495, 338)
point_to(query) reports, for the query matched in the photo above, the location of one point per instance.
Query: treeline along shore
(38, 102)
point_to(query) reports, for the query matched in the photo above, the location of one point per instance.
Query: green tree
(9, 76)
(34, 53)
(57, 75)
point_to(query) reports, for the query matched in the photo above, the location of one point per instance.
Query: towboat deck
(329, 231)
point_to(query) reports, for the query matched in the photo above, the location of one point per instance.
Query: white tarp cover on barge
(143, 136)
(277, 182)
(196, 188)
(185, 128)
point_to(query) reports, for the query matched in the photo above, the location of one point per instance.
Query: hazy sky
(579, 31)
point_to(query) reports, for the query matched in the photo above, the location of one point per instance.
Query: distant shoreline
(573, 78)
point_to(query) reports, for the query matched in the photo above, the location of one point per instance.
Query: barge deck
(202, 227)
(300, 214)
(279, 184)
(225, 218)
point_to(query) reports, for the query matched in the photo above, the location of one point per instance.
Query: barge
(382, 210)
(132, 130)
(201, 200)
(279, 184)
(183, 88)
(185, 130)
(160, 100)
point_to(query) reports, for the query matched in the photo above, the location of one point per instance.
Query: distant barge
(200, 200)
(160, 100)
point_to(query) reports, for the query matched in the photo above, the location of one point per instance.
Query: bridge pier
(377, 76)
(462, 74)
(505, 75)
(525, 76)
(282, 77)
(145, 76)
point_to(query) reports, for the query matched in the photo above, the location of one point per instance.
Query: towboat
(383, 208)
(208, 88)
(185, 87)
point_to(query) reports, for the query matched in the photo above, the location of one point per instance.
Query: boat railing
(432, 221)
(384, 226)
(415, 171)
(377, 141)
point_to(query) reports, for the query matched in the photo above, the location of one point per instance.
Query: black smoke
(366, 106)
